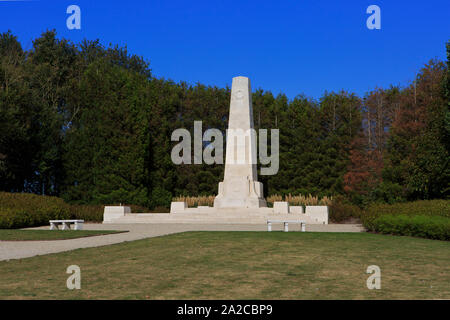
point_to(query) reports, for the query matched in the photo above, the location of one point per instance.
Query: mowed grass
(239, 265)
(34, 235)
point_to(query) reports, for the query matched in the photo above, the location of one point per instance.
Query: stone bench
(66, 224)
(286, 224)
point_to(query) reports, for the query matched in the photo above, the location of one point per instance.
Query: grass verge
(239, 265)
(35, 235)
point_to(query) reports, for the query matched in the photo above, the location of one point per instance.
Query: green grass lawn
(22, 235)
(239, 265)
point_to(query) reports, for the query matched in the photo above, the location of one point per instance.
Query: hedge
(342, 210)
(18, 210)
(423, 218)
(431, 227)
(440, 208)
(21, 210)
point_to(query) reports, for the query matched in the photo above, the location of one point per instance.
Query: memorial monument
(240, 188)
(240, 198)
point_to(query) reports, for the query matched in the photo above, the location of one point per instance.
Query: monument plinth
(240, 188)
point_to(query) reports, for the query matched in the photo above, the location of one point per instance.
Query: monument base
(211, 215)
(240, 193)
(224, 203)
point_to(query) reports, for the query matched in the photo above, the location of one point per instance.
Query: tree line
(92, 125)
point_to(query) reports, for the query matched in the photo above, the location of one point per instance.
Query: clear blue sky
(301, 46)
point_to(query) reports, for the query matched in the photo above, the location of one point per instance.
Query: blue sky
(294, 47)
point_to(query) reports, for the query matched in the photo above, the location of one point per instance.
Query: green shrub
(422, 207)
(424, 218)
(388, 192)
(92, 213)
(18, 210)
(342, 210)
(21, 210)
(431, 227)
(137, 209)
(160, 198)
(157, 210)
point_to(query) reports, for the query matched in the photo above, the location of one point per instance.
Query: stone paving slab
(24, 249)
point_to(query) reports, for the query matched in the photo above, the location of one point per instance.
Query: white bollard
(303, 225)
(269, 226)
(286, 228)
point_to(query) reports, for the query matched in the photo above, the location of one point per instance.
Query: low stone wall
(280, 207)
(296, 209)
(178, 206)
(113, 212)
(320, 213)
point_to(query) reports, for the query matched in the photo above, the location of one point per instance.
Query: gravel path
(24, 249)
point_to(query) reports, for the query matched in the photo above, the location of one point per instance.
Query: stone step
(177, 217)
(196, 222)
(146, 215)
(210, 218)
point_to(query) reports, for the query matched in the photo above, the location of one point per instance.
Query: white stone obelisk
(240, 188)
